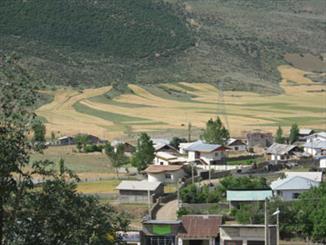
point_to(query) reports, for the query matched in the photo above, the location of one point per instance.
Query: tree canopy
(294, 133)
(215, 132)
(117, 156)
(279, 138)
(144, 154)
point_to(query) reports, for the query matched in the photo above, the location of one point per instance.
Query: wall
(240, 147)
(311, 151)
(246, 234)
(322, 163)
(158, 161)
(161, 177)
(287, 195)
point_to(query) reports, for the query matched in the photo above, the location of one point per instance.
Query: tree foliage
(52, 213)
(294, 133)
(279, 138)
(144, 154)
(175, 142)
(215, 132)
(39, 130)
(117, 156)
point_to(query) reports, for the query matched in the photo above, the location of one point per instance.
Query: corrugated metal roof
(252, 195)
(305, 131)
(165, 155)
(143, 185)
(202, 147)
(200, 226)
(280, 149)
(316, 144)
(315, 176)
(293, 183)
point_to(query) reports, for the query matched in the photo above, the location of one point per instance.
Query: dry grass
(245, 110)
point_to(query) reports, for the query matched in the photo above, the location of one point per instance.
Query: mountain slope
(236, 44)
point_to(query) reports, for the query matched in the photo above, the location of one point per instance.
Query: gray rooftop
(143, 185)
(250, 195)
(294, 183)
(280, 149)
(316, 144)
(202, 147)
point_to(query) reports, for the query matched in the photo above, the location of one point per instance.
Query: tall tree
(16, 98)
(117, 156)
(279, 135)
(144, 154)
(175, 142)
(39, 130)
(54, 213)
(215, 132)
(81, 141)
(294, 133)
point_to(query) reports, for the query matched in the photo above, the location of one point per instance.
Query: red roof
(200, 226)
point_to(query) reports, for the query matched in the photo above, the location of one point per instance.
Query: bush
(93, 148)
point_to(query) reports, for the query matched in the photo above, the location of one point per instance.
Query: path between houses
(168, 211)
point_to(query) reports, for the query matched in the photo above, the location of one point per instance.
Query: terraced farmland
(168, 107)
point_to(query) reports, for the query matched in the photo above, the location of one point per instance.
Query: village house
(282, 152)
(199, 230)
(207, 154)
(138, 191)
(65, 140)
(259, 139)
(127, 147)
(304, 133)
(165, 173)
(183, 147)
(167, 158)
(236, 145)
(315, 147)
(321, 136)
(238, 197)
(246, 234)
(295, 183)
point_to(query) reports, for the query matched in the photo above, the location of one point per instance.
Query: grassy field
(91, 166)
(169, 107)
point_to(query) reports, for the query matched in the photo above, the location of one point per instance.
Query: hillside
(95, 42)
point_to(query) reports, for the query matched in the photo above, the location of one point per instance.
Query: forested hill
(96, 42)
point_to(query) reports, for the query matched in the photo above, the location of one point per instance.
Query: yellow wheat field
(303, 101)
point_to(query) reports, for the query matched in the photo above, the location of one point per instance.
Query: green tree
(144, 154)
(215, 132)
(39, 130)
(53, 213)
(249, 213)
(117, 156)
(311, 214)
(81, 141)
(294, 133)
(175, 142)
(279, 135)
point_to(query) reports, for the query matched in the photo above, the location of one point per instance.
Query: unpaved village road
(168, 211)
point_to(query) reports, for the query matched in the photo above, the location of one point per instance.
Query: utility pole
(189, 131)
(149, 203)
(266, 225)
(192, 173)
(277, 213)
(209, 172)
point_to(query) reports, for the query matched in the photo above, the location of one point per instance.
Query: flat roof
(142, 185)
(248, 195)
(202, 147)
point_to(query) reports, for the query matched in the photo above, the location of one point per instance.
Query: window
(295, 195)
(256, 242)
(168, 176)
(161, 163)
(236, 148)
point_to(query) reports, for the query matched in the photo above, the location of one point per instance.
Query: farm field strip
(145, 110)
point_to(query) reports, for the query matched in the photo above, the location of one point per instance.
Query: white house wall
(160, 161)
(161, 177)
(322, 163)
(287, 195)
(311, 151)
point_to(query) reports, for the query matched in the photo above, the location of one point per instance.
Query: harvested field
(169, 107)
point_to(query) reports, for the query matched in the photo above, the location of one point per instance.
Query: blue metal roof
(252, 195)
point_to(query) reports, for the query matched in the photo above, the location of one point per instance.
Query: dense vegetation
(208, 194)
(41, 214)
(118, 28)
(236, 44)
